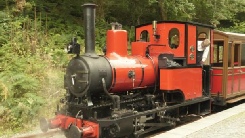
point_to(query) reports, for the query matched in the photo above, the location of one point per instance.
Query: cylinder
(89, 27)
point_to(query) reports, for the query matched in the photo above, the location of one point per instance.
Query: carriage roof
(232, 36)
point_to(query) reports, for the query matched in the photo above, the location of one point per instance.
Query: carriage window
(243, 55)
(144, 36)
(236, 54)
(229, 54)
(218, 53)
(173, 38)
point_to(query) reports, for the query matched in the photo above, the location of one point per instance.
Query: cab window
(144, 36)
(173, 38)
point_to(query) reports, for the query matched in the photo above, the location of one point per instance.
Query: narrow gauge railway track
(49, 134)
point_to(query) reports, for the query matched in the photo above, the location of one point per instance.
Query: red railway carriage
(228, 67)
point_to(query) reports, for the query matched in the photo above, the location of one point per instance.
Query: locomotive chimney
(89, 28)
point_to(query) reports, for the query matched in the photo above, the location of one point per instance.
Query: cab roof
(180, 22)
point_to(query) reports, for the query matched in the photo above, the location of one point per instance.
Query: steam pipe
(89, 28)
(115, 98)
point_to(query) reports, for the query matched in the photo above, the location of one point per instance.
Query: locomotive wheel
(73, 132)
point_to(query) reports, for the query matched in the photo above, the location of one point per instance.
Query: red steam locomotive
(126, 95)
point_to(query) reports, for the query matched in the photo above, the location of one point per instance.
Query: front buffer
(73, 127)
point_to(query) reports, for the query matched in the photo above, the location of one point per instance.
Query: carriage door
(242, 77)
(236, 67)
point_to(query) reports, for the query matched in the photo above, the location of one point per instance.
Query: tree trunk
(163, 10)
(100, 13)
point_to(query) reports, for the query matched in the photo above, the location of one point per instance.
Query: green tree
(212, 11)
(180, 10)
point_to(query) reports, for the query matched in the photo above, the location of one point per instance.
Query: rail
(41, 134)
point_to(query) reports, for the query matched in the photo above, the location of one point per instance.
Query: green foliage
(212, 11)
(237, 28)
(100, 33)
(19, 101)
(34, 34)
(17, 112)
(181, 10)
(27, 52)
(19, 85)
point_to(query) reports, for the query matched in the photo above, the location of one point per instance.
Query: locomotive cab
(176, 42)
